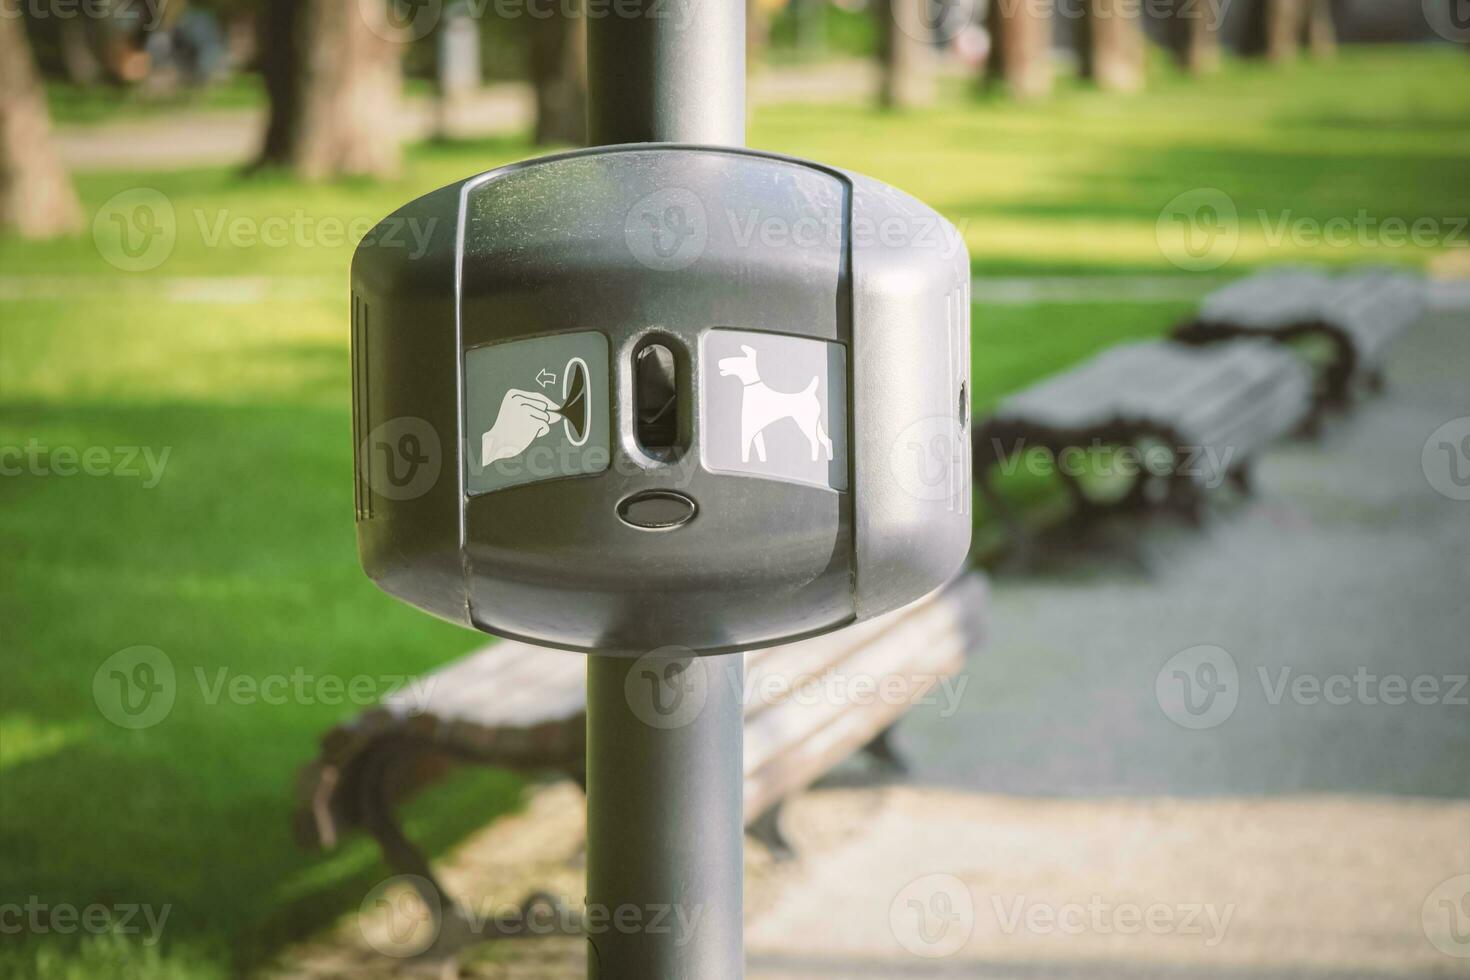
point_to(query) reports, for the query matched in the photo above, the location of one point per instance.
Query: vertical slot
(656, 390)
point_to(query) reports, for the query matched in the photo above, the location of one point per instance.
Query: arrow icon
(545, 378)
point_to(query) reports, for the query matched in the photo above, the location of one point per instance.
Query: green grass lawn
(240, 559)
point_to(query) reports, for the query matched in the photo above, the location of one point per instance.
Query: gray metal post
(665, 833)
(665, 737)
(669, 71)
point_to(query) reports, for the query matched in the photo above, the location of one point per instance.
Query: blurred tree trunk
(1194, 35)
(334, 83)
(757, 32)
(1273, 29)
(907, 78)
(1113, 46)
(1020, 59)
(559, 76)
(456, 67)
(78, 54)
(1320, 29)
(37, 199)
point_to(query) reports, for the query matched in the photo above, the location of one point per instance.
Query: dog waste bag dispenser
(662, 402)
(669, 395)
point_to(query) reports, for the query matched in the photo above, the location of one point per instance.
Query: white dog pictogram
(761, 405)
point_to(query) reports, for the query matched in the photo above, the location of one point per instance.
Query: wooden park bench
(522, 708)
(1353, 318)
(1190, 418)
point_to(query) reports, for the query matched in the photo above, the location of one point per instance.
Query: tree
(1274, 29)
(1194, 35)
(1113, 45)
(757, 31)
(1321, 31)
(333, 73)
(559, 75)
(36, 196)
(1020, 48)
(907, 79)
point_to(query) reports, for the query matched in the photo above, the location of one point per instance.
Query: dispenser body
(647, 395)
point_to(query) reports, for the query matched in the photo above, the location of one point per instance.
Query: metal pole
(665, 827)
(665, 736)
(668, 71)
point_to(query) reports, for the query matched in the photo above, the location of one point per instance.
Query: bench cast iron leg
(767, 829)
(882, 751)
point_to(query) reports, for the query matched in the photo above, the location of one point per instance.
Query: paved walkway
(190, 138)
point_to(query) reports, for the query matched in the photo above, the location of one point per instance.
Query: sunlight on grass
(233, 357)
(25, 739)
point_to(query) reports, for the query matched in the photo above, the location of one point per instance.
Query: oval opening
(656, 510)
